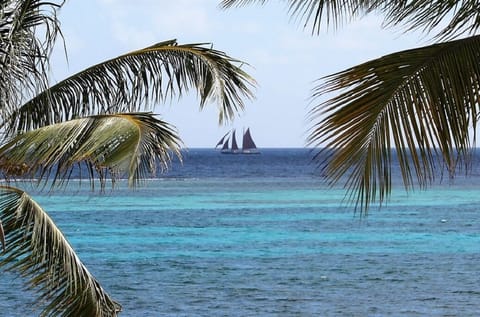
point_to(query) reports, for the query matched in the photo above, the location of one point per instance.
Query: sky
(283, 57)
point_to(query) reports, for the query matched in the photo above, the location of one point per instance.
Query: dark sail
(222, 140)
(234, 142)
(225, 145)
(248, 143)
(249, 146)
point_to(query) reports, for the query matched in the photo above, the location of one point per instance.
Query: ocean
(263, 235)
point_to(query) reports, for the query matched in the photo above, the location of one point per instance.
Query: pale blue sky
(285, 59)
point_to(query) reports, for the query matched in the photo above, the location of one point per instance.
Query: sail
(225, 144)
(222, 140)
(234, 142)
(248, 143)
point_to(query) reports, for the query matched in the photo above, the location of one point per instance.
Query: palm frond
(37, 249)
(326, 12)
(422, 101)
(316, 14)
(109, 145)
(131, 82)
(28, 30)
(447, 18)
(225, 4)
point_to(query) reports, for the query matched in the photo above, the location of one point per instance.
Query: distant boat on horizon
(230, 146)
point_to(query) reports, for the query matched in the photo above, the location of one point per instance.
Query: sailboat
(230, 146)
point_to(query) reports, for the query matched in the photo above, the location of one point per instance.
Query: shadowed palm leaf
(420, 99)
(132, 81)
(110, 145)
(38, 250)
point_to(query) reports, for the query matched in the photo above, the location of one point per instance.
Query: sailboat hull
(250, 151)
(230, 151)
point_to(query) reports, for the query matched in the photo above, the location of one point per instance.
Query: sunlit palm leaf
(28, 29)
(420, 100)
(108, 145)
(37, 249)
(130, 82)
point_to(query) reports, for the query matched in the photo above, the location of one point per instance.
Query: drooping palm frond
(422, 101)
(109, 145)
(28, 29)
(37, 249)
(130, 82)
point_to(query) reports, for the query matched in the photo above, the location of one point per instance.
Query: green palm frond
(130, 82)
(37, 249)
(109, 145)
(28, 30)
(422, 101)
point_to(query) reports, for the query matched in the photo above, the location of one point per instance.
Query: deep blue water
(262, 235)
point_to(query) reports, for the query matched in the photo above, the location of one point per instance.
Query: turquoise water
(270, 240)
